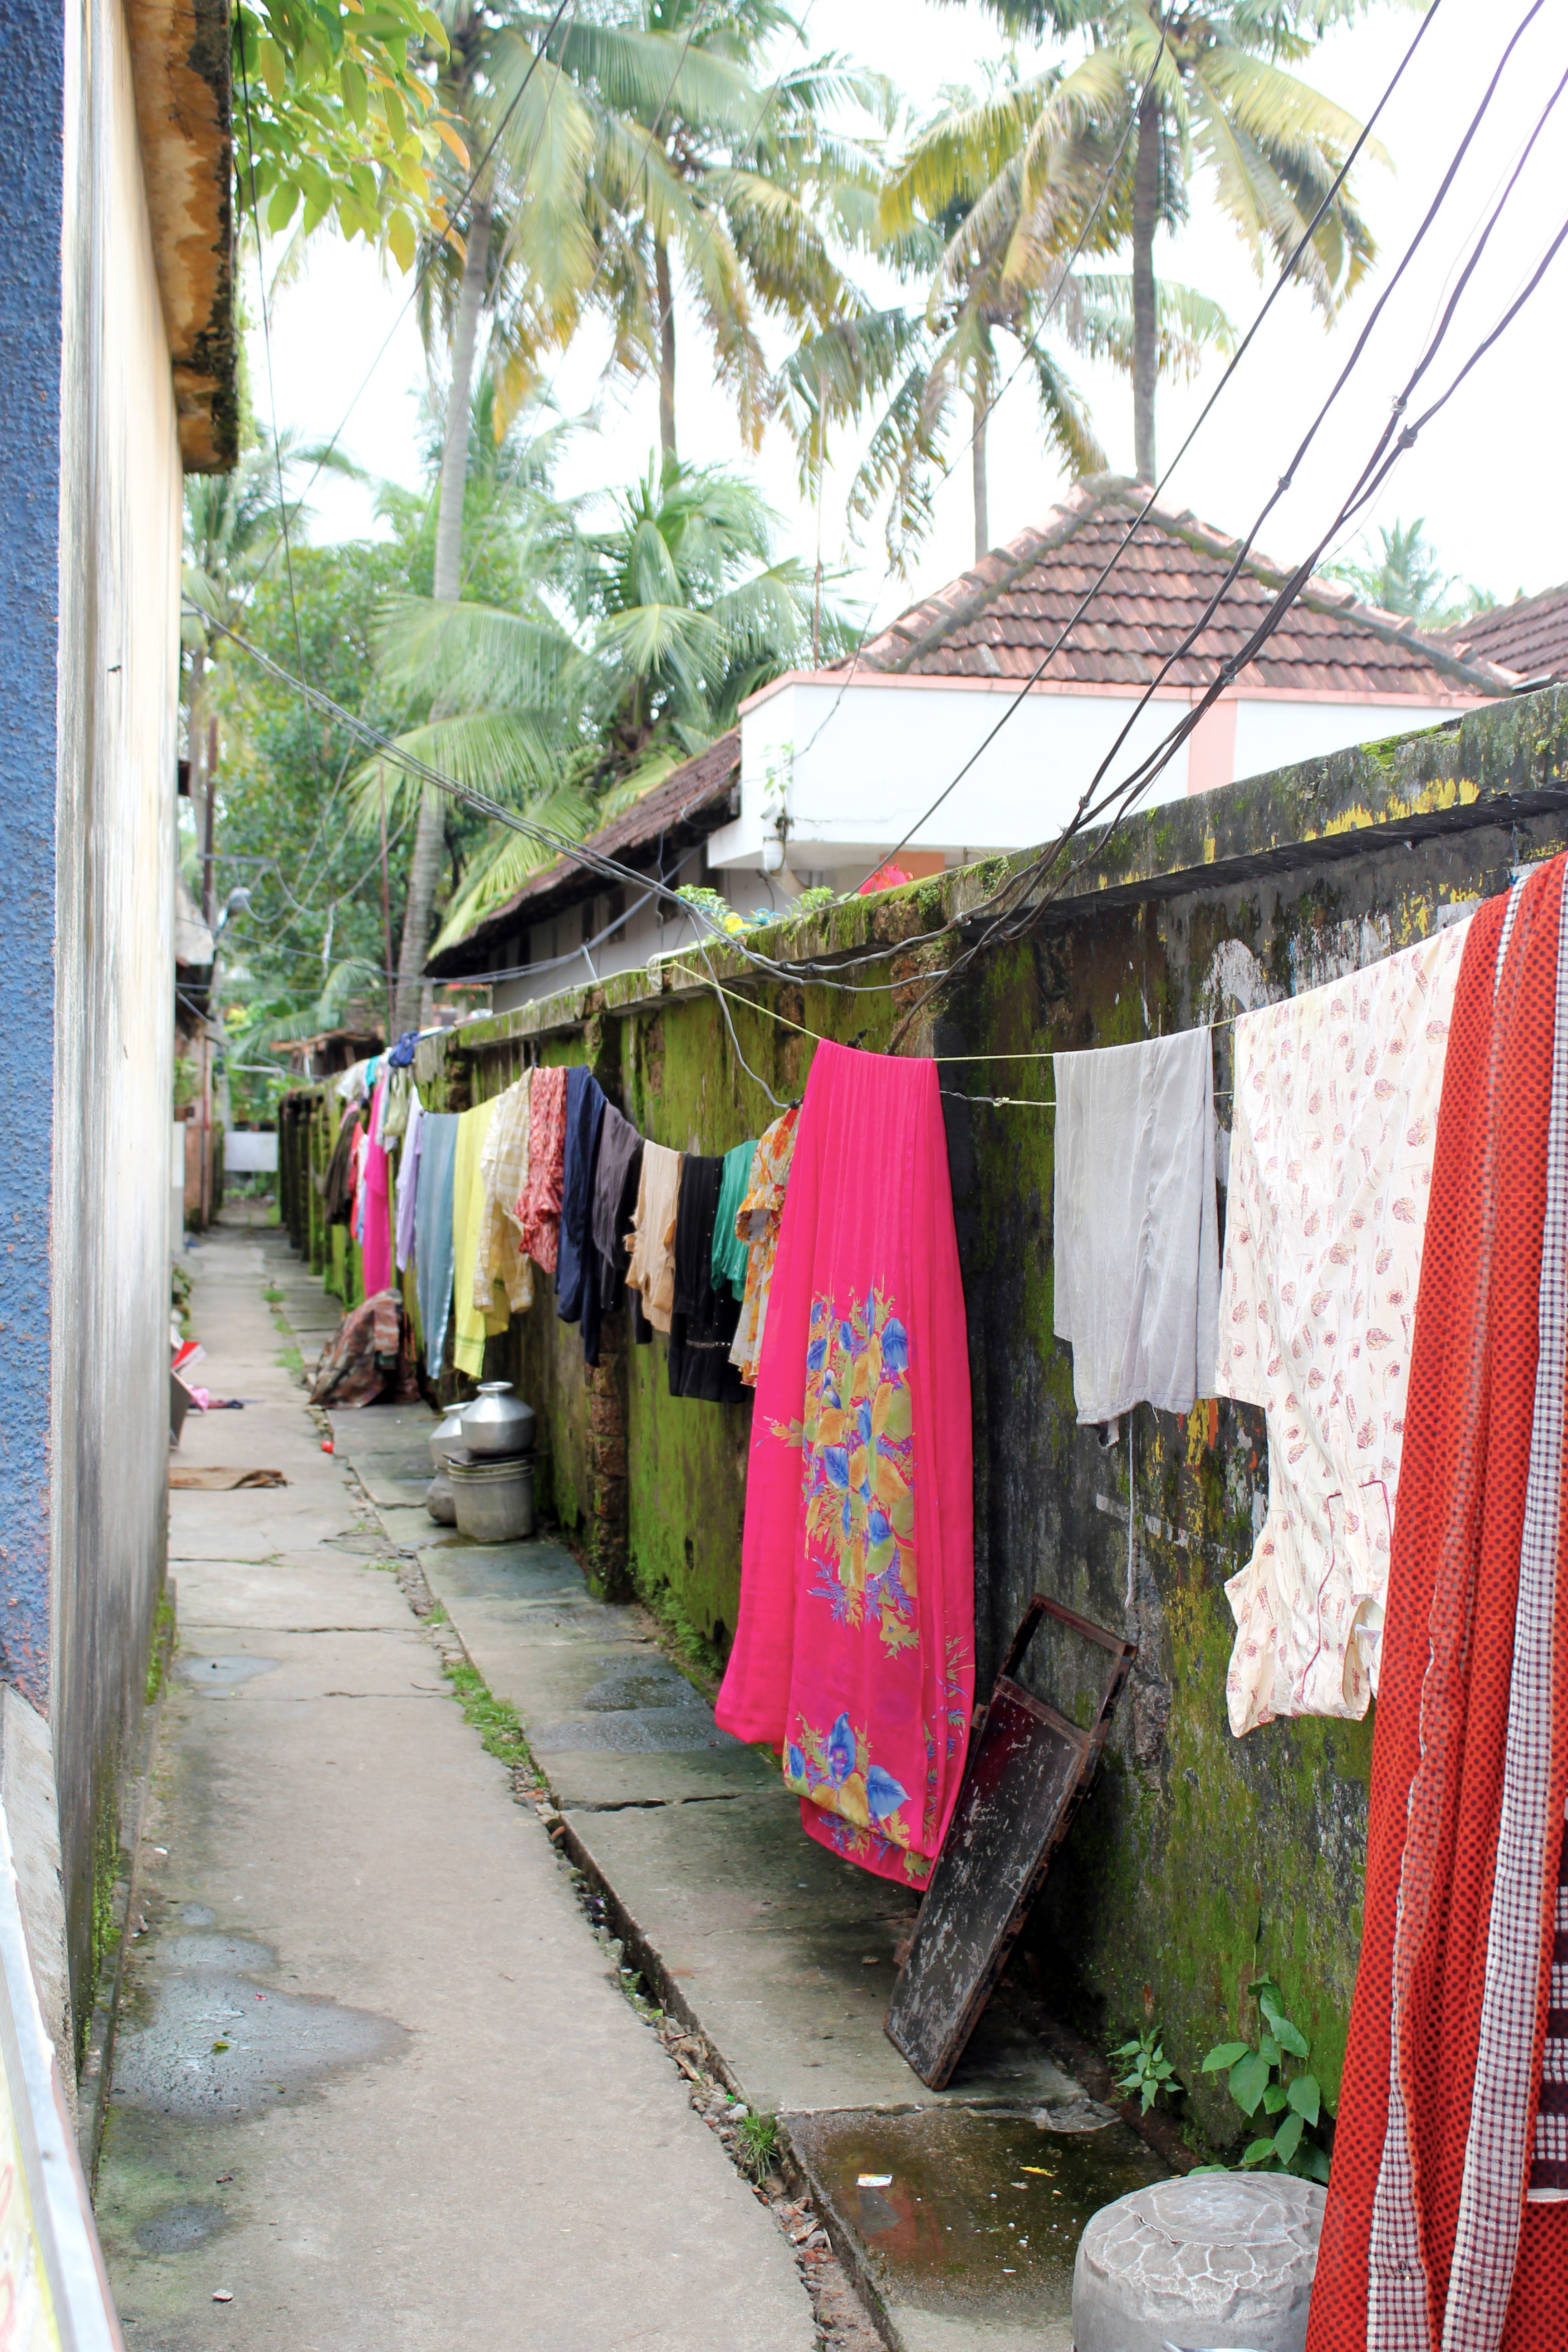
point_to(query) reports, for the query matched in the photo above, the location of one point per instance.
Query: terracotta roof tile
(1529, 636)
(1003, 617)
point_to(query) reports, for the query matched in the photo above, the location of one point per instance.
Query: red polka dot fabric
(1429, 2238)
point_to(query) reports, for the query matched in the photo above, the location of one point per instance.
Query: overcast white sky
(1483, 474)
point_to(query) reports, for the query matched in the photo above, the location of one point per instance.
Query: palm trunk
(1145, 313)
(977, 461)
(424, 865)
(666, 349)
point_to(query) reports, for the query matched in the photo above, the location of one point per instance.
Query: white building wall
(1270, 734)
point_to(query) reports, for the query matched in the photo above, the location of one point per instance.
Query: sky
(1496, 518)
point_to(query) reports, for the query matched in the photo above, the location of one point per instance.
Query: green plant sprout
(1148, 2072)
(1259, 2078)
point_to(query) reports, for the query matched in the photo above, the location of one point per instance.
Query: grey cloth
(434, 1251)
(1136, 1228)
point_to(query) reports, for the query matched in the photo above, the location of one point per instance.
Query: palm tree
(232, 526)
(634, 648)
(1219, 97)
(1407, 577)
(986, 207)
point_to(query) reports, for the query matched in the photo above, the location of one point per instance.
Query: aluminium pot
(447, 1436)
(496, 1421)
(494, 1499)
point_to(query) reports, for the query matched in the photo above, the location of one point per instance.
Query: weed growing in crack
(495, 1719)
(757, 2146)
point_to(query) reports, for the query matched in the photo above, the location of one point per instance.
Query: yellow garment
(473, 1324)
(503, 1172)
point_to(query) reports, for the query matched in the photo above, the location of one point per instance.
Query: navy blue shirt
(576, 1271)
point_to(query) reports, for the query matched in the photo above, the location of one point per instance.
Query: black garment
(337, 1192)
(576, 1271)
(703, 1320)
(614, 1203)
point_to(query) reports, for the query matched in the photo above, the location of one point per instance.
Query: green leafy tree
(1407, 576)
(1270, 2080)
(335, 115)
(623, 650)
(1222, 102)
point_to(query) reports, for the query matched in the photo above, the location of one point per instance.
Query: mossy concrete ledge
(1200, 1862)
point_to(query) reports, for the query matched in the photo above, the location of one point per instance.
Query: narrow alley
(374, 2084)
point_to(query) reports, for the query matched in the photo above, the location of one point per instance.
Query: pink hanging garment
(855, 1651)
(376, 1240)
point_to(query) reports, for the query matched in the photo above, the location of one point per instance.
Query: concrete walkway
(958, 2211)
(376, 2085)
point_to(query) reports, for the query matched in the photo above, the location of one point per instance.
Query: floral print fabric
(854, 1652)
(1331, 1168)
(500, 1258)
(757, 1224)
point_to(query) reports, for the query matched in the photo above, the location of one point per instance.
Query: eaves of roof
(690, 803)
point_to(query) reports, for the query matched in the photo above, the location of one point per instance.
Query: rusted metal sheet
(1028, 1771)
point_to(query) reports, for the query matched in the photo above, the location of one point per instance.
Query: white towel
(1137, 1231)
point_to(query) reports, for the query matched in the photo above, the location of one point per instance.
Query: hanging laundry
(650, 1270)
(616, 1175)
(855, 1649)
(433, 1253)
(1135, 1225)
(1447, 2224)
(401, 1057)
(394, 1111)
(499, 1257)
(352, 1085)
(702, 1315)
(577, 1273)
(409, 1178)
(376, 1237)
(757, 1224)
(540, 1205)
(473, 1322)
(1330, 1165)
(730, 1252)
(356, 1178)
(336, 1182)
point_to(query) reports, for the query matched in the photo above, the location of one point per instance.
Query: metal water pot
(447, 1436)
(496, 1421)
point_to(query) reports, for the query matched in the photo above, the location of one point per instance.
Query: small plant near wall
(1146, 2072)
(1270, 2080)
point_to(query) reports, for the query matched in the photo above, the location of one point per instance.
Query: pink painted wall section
(1211, 749)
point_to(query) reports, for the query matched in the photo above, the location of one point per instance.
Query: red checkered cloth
(1435, 2233)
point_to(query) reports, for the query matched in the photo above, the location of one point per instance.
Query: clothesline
(998, 1102)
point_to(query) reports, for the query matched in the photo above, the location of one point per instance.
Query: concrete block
(1220, 2259)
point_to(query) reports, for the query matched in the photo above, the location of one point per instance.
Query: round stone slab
(1221, 2262)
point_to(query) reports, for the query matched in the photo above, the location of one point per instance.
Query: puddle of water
(178, 2228)
(639, 1683)
(216, 1677)
(965, 2211)
(203, 2037)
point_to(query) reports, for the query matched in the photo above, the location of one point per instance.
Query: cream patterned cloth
(1331, 1169)
(651, 1241)
(503, 1172)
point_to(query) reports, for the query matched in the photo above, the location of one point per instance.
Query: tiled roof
(1529, 636)
(997, 620)
(692, 802)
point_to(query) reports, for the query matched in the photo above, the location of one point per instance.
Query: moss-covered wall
(1199, 1861)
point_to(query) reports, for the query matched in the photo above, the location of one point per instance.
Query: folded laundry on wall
(432, 1251)
(1136, 1226)
(1336, 1103)
(650, 1270)
(703, 1314)
(576, 1272)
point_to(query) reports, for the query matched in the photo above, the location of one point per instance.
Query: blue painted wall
(32, 102)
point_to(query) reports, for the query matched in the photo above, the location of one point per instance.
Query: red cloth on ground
(376, 1247)
(855, 1651)
(1443, 1711)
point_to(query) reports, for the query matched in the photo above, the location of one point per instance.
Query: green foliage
(757, 2144)
(1271, 2074)
(335, 116)
(819, 895)
(1407, 578)
(162, 1633)
(495, 1719)
(1147, 2072)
